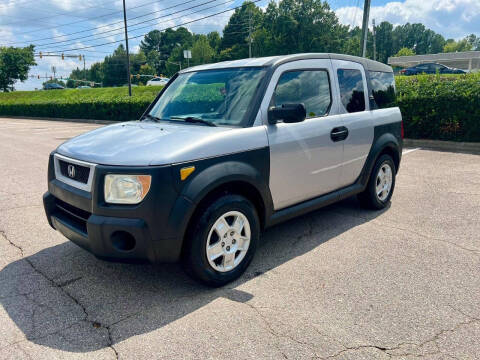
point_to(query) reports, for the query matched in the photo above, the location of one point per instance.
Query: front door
(304, 160)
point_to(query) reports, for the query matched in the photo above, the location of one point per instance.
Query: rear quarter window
(352, 92)
(383, 88)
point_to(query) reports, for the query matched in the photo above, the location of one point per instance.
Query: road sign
(187, 54)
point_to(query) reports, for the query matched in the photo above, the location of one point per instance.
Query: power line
(55, 14)
(121, 28)
(170, 27)
(94, 18)
(145, 21)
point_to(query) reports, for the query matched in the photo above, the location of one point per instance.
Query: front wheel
(222, 241)
(380, 186)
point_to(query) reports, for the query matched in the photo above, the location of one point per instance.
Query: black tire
(195, 259)
(369, 197)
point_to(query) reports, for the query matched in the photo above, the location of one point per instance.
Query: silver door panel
(360, 130)
(304, 161)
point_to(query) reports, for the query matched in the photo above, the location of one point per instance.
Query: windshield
(220, 97)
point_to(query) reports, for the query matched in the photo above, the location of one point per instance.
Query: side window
(383, 88)
(351, 89)
(308, 87)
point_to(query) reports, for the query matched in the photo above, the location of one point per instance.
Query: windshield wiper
(151, 117)
(193, 119)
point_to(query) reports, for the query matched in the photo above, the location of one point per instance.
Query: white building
(466, 60)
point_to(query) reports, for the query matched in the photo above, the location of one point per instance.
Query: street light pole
(374, 41)
(128, 55)
(366, 14)
(250, 34)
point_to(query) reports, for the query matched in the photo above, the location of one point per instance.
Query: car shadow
(64, 298)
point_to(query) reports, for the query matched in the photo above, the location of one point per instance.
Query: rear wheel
(381, 184)
(222, 241)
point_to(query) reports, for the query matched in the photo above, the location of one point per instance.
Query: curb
(472, 148)
(86, 121)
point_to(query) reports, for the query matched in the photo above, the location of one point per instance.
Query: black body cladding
(159, 222)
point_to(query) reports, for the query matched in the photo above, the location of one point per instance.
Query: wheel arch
(383, 144)
(215, 181)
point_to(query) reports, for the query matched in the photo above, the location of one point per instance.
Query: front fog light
(126, 189)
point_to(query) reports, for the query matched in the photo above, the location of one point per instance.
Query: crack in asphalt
(473, 251)
(61, 286)
(69, 281)
(387, 350)
(276, 334)
(395, 226)
(19, 248)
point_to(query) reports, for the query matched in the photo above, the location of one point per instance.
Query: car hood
(141, 143)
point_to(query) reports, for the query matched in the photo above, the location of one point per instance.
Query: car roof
(430, 63)
(274, 61)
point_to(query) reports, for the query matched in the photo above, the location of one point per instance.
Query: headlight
(126, 189)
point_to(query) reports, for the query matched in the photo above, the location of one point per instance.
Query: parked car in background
(199, 177)
(431, 68)
(53, 86)
(158, 81)
(84, 87)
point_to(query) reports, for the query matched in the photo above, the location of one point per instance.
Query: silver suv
(225, 151)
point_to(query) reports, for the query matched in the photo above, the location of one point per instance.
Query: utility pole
(250, 34)
(366, 14)
(84, 70)
(374, 41)
(128, 55)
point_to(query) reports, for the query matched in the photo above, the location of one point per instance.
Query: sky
(73, 26)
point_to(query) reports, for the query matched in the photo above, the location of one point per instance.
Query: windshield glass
(221, 97)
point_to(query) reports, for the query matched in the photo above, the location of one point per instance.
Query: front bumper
(136, 233)
(110, 238)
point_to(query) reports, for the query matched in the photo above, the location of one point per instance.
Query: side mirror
(289, 113)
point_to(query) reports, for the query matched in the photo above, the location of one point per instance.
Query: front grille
(72, 215)
(80, 173)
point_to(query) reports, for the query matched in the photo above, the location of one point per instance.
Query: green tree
(474, 41)
(303, 26)
(384, 41)
(202, 52)
(14, 65)
(159, 46)
(70, 83)
(455, 46)
(115, 68)
(405, 52)
(214, 40)
(235, 33)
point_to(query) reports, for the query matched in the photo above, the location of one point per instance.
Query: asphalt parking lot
(340, 283)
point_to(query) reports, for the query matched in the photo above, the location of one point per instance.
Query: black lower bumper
(110, 238)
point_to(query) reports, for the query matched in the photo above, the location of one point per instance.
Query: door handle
(339, 133)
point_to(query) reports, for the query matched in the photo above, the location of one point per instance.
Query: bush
(440, 107)
(100, 104)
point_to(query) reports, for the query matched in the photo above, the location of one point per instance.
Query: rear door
(356, 117)
(304, 160)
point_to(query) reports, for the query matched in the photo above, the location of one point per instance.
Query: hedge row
(100, 104)
(439, 107)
